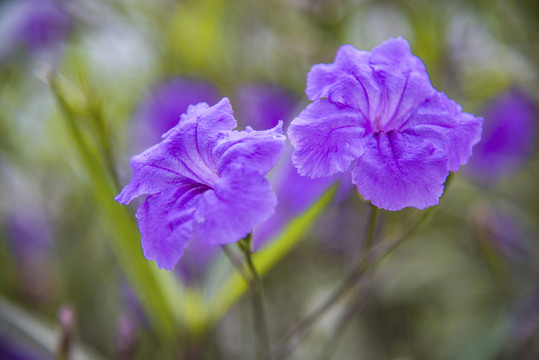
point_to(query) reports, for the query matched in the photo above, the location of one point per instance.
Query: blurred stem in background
(371, 230)
(255, 288)
(44, 335)
(370, 258)
(66, 322)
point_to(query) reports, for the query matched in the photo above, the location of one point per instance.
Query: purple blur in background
(508, 139)
(11, 350)
(161, 108)
(29, 233)
(34, 25)
(262, 105)
(30, 241)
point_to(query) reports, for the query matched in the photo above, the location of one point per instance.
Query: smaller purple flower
(379, 110)
(160, 109)
(508, 138)
(203, 180)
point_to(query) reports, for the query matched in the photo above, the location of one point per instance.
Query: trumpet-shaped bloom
(379, 110)
(203, 180)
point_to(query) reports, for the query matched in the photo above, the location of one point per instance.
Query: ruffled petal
(184, 155)
(441, 121)
(258, 150)
(194, 138)
(242, 199)
(400, 170)
(166, 222)
(385, 86)
(348, 81)
(326, 137)
(404, 84)
(154, 170)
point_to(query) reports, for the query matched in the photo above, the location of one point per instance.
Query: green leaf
(161, 296)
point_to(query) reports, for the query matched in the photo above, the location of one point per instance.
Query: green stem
(236, 262)
(353, 310)
(255, 288)
(379, 252)
(371, 230)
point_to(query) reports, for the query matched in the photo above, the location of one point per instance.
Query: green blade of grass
(161, 296)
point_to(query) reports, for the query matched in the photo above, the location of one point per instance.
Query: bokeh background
(85, 85)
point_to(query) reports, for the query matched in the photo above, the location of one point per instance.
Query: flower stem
(236, 262)
(353, 310)
(371, 230)
(377, 253)
(255, 288)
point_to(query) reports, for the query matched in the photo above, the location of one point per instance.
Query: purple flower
(508, 138)
(160, 110)
(203, 179)
(380, 109)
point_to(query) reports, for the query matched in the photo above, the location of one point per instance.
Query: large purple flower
(203, 179)
(380, 109)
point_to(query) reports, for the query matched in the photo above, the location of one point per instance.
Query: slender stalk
(371, 230)
(66, 322)
(354, 275)
(356, 308)
(255, 288)
(345, 321)
(236, 262)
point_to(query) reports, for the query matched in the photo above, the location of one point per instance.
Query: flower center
(377, 124)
